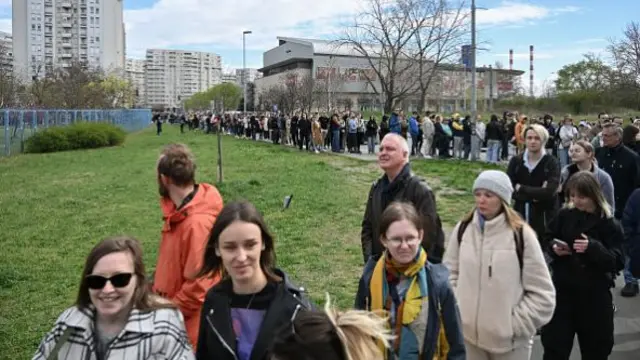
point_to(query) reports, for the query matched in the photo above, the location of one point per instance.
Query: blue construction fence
(19, 124)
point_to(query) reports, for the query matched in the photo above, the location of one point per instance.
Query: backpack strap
(61, 341)
(461, 230)
(518, 237)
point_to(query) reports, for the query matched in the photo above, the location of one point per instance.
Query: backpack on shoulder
(518, 237)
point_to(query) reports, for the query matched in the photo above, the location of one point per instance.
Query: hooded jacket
(501, 305)
(217, 339)
(185, 233)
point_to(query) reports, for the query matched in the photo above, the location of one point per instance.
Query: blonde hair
(332, 335)
(514, 219)
(540, 130)
(359, 331)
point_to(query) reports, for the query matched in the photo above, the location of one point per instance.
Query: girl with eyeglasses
(413, 294)
(116, 316)
(254, 299)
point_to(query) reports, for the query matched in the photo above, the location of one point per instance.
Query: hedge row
(83, 135)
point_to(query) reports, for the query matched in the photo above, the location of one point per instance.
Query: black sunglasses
(97, 282)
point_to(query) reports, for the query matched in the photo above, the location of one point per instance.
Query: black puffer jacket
(217, 340)
(597, 266)
(408, 188)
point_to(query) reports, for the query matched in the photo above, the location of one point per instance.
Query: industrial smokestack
(510, 59)
(531, 70)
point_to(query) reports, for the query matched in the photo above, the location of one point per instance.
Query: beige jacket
(500, 306)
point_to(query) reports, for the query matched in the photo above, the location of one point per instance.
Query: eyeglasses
(409, 242)
(97, 282)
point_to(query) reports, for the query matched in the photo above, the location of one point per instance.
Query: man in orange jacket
(189, 211)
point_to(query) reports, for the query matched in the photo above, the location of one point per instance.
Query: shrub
(82, 135)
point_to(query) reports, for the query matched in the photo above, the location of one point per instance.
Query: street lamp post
(474, 92)
(244, 69)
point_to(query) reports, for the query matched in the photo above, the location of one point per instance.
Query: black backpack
(517, 237)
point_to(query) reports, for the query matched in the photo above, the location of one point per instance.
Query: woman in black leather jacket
(253, 299)
(584, 243)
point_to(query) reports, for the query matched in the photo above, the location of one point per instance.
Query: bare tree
(307, 92)
(626, 51)
(382, 34)
(10, 84)
(438, 40)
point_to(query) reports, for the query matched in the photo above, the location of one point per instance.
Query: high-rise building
(6, 52)
(230, 78)
(250, 75)
(134, 71)
(54, 33)
(172, 76)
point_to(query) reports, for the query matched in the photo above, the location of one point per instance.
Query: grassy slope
(57, 206)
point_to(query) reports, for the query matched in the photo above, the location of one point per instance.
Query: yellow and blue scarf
(386, 275)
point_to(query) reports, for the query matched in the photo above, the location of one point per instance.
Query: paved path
(627, 330)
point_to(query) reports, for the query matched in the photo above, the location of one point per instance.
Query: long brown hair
(586, 184)
(232, 212)
(143, 298)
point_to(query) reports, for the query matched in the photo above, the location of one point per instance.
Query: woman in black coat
(254, 299)
(584, 243)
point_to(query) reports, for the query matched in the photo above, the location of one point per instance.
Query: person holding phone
(584, 243)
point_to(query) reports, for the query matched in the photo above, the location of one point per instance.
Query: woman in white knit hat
(499, 275)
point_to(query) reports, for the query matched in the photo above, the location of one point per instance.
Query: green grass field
(55, 207)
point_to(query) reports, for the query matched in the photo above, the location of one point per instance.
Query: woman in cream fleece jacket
(499, 275)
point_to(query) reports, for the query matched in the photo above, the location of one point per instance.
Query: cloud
(217, 25)
(5, 25)
(508, 13)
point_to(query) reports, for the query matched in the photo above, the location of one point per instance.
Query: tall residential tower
(54, 33)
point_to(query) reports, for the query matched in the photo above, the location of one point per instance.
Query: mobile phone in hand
(561, 243)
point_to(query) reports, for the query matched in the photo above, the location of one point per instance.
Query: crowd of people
(537, 253)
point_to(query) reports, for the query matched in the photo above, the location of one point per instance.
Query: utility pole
(474, 91)
(244, 70)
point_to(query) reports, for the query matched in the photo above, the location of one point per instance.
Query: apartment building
(6, 52)
(54, 33)
(230, 78)
(172, 76)
(134, 73)
(250, 75)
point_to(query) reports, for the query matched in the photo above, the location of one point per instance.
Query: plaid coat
(157, 334)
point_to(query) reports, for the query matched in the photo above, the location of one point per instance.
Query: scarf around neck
(386, 276)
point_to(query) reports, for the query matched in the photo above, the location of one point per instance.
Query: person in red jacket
(189, 210)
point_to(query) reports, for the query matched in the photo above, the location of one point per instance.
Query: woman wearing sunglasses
(115, 315)
(254, 299)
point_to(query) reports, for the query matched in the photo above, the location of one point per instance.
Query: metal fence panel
(19, 124)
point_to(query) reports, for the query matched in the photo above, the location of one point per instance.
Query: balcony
(66, 44)
(65, 4)
(66, 55)
(66, 24)
(65, 34)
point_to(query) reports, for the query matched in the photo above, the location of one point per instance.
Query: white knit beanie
(497, 182)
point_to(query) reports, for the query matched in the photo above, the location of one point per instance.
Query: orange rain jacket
(184, 237)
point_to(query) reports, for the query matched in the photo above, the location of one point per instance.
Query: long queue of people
(506, 272)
